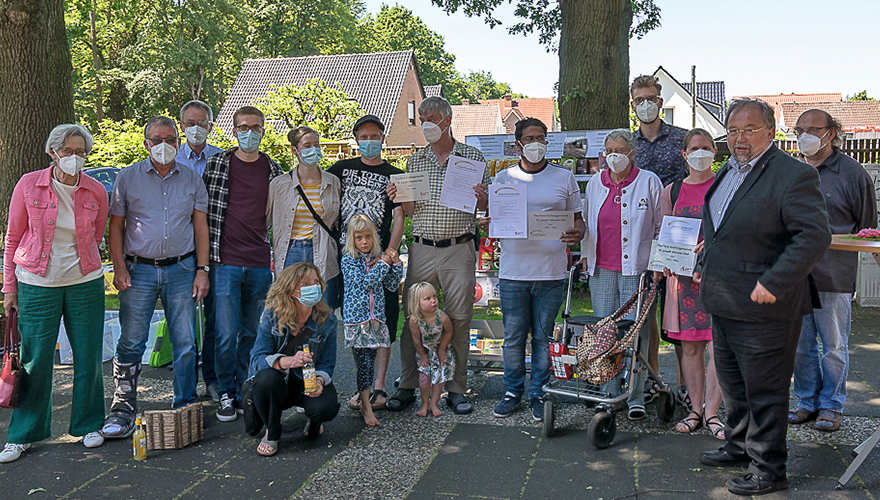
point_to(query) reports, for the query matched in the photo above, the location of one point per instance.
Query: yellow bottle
(310, 381)
(139, 441)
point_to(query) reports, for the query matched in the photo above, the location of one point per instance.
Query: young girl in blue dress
(365, 271)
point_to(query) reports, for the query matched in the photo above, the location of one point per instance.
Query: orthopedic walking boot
(120, 422)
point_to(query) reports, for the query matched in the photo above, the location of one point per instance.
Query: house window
(669, 115)
(411, 112)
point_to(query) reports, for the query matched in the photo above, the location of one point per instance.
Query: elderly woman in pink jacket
(52, 269)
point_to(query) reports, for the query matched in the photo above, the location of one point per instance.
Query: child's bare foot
(423, 411)
(369, 417)
(436, 411)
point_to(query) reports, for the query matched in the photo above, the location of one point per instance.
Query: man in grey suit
(765, 227)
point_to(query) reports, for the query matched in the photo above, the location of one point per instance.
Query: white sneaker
(93, 439)
(11, 452)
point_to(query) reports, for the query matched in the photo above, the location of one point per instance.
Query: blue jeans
(174, 285)
(238, 295)
(820, 381)
(528, 306)
(303, 251)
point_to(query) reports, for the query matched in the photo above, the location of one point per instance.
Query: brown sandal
(688, 422)
(715, 426)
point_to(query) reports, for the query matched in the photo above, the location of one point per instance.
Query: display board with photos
(579, 150)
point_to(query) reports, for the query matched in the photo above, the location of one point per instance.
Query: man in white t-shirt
(533, 271)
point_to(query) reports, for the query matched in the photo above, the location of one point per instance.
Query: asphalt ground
(475, 456)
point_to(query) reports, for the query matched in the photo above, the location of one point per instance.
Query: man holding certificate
(443, 252)
(532, 272)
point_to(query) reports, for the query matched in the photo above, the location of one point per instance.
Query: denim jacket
(322, 344)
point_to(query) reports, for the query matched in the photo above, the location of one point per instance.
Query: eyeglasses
(203, 124)
(254, 128)
(654, 98)
(809, 130)
(747, 132)
(528, 139)
(67, 152)
(166, 140)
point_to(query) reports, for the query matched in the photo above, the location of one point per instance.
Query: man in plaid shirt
(237, 181)
(443, 252)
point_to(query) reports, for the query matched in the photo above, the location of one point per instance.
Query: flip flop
(273, 445)
(355, 406)
(373, 404)
(400, 400)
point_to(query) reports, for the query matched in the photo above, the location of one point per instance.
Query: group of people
(193, 222)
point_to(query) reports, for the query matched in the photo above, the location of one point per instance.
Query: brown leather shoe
(801, 416)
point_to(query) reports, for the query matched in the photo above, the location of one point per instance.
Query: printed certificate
(507, 207)
(550, 224)
(411, 187)
(461, 176)
(680, 259)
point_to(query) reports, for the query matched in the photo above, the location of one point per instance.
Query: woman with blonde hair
(294, 316)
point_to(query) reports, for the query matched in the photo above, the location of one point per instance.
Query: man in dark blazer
(765, 227)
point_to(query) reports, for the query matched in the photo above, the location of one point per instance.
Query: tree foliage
(325, 108)
(861, 96)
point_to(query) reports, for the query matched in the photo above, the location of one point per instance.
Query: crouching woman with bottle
(297, 336)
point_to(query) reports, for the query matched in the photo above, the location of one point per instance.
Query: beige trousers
(450, 270)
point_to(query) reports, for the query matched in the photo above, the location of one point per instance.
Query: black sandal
(718, 429)
(400, 400)
(458, 403)
(374, 395)
(688, 422)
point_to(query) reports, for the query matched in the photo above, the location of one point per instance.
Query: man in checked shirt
(443, 252)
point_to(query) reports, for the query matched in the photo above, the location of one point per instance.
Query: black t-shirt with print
(363, 192)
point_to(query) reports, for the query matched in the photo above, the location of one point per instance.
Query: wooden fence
(863, 150)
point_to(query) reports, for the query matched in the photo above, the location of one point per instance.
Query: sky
(754, 46)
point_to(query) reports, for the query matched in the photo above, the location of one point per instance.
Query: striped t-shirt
(303, 220)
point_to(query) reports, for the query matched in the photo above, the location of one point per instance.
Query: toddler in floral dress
(365, 271)
(431, 330)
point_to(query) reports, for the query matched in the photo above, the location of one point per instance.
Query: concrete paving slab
(483, 461)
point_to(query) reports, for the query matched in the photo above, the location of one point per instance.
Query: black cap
(368, 119)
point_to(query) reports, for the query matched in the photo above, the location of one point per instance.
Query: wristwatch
(207, 269)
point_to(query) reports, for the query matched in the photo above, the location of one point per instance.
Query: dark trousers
(272, 395)
(754, 363)
(392, 312)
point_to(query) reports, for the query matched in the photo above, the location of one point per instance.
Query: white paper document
(508, 209)
(678, 258)
(549, 224)
(461, 176)
(411, 187)
(682, 230)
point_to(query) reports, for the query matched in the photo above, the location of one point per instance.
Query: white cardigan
(639, 225)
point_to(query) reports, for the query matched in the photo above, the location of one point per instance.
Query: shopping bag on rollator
(601, 347)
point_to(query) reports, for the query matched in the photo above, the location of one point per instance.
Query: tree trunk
(594, 64)
(96, 64)
(35, 85)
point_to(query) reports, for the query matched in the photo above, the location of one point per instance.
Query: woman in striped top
(297, 235)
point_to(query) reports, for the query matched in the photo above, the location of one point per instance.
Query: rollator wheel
(665, 406)
(602, 430)
(549, 418)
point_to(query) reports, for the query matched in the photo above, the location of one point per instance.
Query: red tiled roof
(777, 100)
(475, 119)
(852, 115)
(542, 108)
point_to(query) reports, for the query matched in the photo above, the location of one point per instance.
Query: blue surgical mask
(249, 141)
(311, 156)
(370, 148)
(310, 295)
